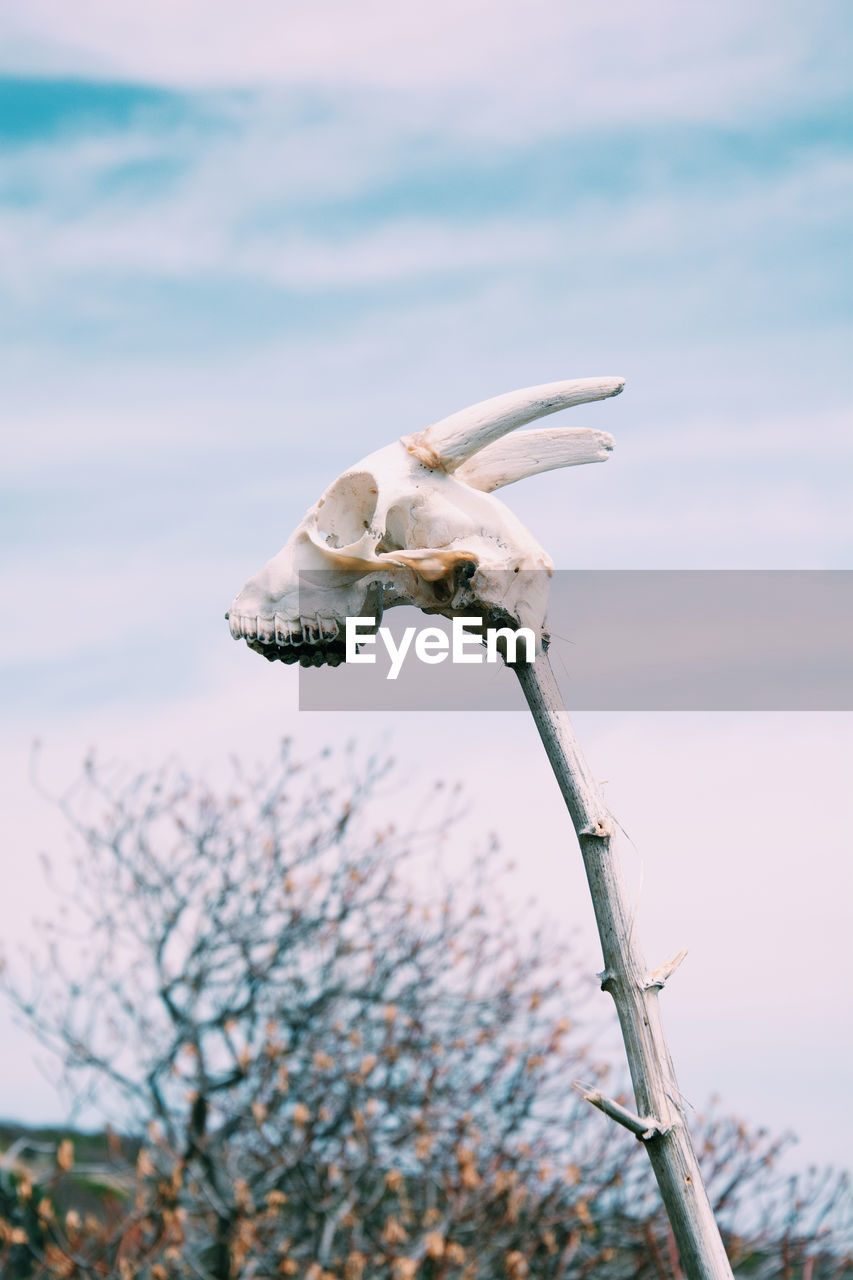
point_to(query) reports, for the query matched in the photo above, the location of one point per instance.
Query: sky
(244, 246)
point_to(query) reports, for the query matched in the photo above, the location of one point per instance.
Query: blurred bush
(338, 1064)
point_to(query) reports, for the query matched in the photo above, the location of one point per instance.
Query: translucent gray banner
(632, 640)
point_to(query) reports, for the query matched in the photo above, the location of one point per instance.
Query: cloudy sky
(242, 246)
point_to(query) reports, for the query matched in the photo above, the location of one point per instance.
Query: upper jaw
(294, 624)
(311, 641)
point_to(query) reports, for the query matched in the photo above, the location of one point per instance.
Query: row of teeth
(284, 631)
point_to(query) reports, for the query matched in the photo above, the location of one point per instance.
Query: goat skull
(417, 523)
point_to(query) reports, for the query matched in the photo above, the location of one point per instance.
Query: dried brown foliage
(338, 1076)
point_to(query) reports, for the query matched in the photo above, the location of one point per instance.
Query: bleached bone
(660, 1120)
(527, 454)
(415, 523)
(448, 443)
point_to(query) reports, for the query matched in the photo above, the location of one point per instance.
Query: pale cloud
(238, 211)
(108, 596)
(826, 436)
(513, 67)
(174, 244)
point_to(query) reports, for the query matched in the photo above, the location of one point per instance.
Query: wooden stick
(660, 1122)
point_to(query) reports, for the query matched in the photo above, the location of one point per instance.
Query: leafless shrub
(337, 1076)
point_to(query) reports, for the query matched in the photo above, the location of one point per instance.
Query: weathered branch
(633, 988)
(660, 976)
(643, 1127)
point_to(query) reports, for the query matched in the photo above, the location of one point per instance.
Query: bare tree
(338, 1075)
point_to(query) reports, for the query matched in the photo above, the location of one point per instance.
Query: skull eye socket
(394, 536)
(404, 526)
(348, 509)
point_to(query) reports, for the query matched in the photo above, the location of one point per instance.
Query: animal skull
(417, 523)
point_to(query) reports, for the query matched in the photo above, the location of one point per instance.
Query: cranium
(417, 523)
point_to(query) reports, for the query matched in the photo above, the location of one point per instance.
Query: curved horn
(530, 452)
(448, 443)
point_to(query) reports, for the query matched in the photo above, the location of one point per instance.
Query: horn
(530, 452)
(448, 443)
